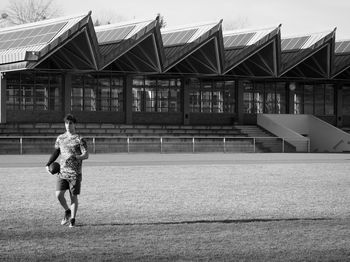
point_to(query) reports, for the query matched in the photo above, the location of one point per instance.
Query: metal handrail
(223, 140)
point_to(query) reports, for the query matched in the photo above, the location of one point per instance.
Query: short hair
(70, 117)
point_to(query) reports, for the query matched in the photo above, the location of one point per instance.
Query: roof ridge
(123, 23)
(308, 34)
(39, 23)
(188, 26)
(247, 30)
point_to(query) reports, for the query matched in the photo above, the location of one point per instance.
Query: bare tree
(238, 23)
(105, 17)
(162, 21)
(26, 11)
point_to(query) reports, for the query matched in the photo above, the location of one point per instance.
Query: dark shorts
(72, 185)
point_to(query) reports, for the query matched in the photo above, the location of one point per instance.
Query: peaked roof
(72, 43)
(193, 48)
(131, 46)
(244, 51)
(341, 67)
(27, 45)
(298, 55)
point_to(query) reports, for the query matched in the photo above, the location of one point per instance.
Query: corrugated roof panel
(241, 38)
(115, 33)
(32, 37)
(185, 34)
(17, 54)
(294, 43)
(342, 46)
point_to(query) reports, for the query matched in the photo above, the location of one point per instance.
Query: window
(97, 92)
(30, 91)
(156, 95)
(264, 97)
(315, 98)
(207, 96)
(346, 100)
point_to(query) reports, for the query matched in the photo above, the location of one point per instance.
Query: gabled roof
(341, 69)
(252, 52)
(193, 48)
(26, 46)
(132, 46)
(307, 55)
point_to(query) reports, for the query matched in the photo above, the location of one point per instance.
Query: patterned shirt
(70, 145)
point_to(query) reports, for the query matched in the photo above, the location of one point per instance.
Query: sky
(296, 16)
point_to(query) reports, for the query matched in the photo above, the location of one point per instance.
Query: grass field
(178, 207)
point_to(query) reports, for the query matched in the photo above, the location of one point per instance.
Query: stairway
(265, 141)
(108, 138)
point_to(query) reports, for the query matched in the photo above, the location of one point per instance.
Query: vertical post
(282, 145)
(339, 105)
(186, 102)
(240, 102)
(308, 145)
(254, 144)
(67, 93)
(2, 98)
(94, 145)
(21, 145)
(161, 145)
(128, 100)
(128, 144)
(192, 144)
(224, 145)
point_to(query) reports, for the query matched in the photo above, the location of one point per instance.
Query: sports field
(181, 207)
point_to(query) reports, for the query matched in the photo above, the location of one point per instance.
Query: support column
(339, 104)
(240, 102)
(186, 102)
(67, 94)
(128, 100)
(2, 98)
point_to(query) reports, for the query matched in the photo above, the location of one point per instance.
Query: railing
(164, 144)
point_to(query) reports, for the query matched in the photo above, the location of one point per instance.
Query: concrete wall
(290, 127)
(323, 136)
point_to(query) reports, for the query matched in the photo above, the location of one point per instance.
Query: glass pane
(329, 99)
(195, 101)
(281, 98)
(270, 98)
(319, 99)
(137, 99)
(308, 99)
(150, 95)
(259, 98)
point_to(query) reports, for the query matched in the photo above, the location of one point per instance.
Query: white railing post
(254, 144)
(94, 145)
(192, 144)
(21, 145)
(161, 145)
(224, 145)
(128, 144)
(282, 145)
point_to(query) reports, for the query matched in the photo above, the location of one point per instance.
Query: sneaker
(66, 217)
(72, 222)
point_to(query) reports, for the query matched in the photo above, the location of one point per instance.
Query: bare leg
(74, 204)
(62, 199)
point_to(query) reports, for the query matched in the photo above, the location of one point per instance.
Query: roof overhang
(313, 62)
(142, 52)
(75, 48)
(341, 69)
(202, 56)
(260, 59)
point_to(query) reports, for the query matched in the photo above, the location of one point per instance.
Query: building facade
(136, 73)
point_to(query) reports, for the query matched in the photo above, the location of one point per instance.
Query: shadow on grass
(224, 221)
